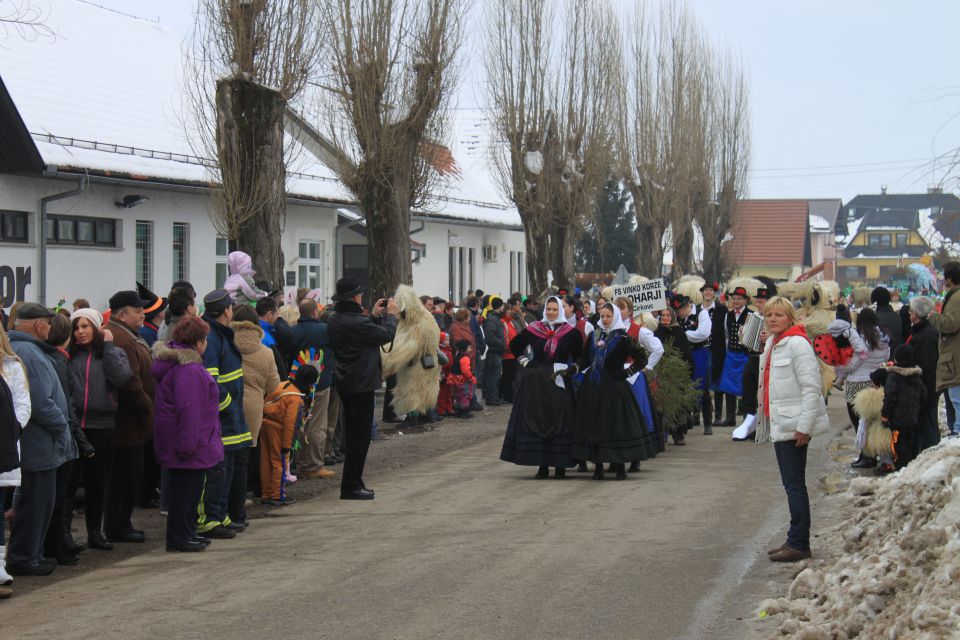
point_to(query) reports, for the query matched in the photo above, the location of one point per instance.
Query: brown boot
(789, 554)
(321, 473)
(770, 552)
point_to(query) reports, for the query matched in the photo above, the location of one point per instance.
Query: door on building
(355, 266)
(310, 272)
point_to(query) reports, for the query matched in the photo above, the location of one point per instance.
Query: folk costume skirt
(540, 430)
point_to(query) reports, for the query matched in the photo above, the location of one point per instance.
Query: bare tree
(25, 19)
(551, 116)
(247, 61)
(389, 74)
(730, 149)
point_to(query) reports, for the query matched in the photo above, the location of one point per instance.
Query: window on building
(181, 244)
(81, 230)
(472, 271)
(144, 251)
(879, 240)
(221, 251)
(452, 292)
(13, 226)
(901, 239)
(310, 269)
(461, 271)
(854, 273)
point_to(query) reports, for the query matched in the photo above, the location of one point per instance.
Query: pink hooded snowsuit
(240, 282)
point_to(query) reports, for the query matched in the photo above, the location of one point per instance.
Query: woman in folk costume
(579, 321)
(736, 356)
(641, 382)
(609, 425)
(540, 429)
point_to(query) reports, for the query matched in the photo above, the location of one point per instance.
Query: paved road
(456, 546)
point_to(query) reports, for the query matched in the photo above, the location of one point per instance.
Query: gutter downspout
(42, 234)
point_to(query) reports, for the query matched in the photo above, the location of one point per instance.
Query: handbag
(428, 361)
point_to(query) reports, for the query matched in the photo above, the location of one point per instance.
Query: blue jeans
(792, 461)
(954, 394)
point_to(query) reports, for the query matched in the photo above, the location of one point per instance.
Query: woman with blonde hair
(790, 410)
(14, 415)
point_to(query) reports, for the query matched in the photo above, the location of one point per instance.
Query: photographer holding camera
(357, 339)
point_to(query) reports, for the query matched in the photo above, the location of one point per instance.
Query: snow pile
(899, 573)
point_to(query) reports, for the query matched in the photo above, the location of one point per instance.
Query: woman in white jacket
(791, 410)
(15, 379)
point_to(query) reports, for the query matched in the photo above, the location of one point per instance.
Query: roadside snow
(899, 573)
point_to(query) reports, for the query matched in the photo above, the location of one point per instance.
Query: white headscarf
(561, 317)
(618, 322)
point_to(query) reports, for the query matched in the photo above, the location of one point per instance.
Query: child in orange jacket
(462, 378)
(283, 412)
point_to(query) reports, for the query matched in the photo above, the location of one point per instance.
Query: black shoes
(220, 532)
(634, 467)
(476, 406)
(542, 473)
(357, 494)
(495, 402)
(863, 462)
(237, 527)
(35, 569)
(582, 467)
(621, 472)
(270, 502)
(708, 430)
(560, 473)
(188, 547)
(598, 471)
(95, 540)
(135, 536)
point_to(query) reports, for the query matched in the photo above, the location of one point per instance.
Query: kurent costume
(540, 429)
(609, 426)
(735, 359)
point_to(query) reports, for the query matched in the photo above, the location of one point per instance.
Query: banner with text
(646, 296)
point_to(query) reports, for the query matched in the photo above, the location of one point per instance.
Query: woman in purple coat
(186, 427)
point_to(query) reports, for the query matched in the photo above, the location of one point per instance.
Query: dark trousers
(358, 416)
(216, 494)
(491, 376)
(929, 432)
(751, 379)
(792, 461)
(123, 490)
(507, 378)
(185, 487)
(32, 513)
(852, 414)
(53, 542)
(238, 486)
(906, 447)
(951, 412)
(389, 414)
(96, 470)
(3, 521)
(150, 486)
(253, 470)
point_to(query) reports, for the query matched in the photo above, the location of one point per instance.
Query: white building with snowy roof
(100, 187)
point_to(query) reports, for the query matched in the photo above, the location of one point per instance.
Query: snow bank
(898, 575)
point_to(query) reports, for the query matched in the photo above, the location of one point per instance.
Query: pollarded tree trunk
(649, 250)
(538, 254)
(387, 212)
(250, 150)
(682, 250)
(561, 254)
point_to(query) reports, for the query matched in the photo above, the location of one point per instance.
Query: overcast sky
(846, 95)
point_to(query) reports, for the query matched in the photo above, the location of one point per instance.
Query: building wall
(777, 272)
(96, 273)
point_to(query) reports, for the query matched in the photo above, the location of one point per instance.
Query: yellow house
(881, 243)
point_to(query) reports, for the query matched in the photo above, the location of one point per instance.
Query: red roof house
(770, 238)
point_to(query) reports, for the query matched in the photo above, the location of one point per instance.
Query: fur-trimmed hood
(905, 371)
(168, 355)
(247, 336)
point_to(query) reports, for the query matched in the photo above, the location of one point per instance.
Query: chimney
(934, 190)
(883, 189)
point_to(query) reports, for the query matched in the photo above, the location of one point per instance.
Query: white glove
(523, 361)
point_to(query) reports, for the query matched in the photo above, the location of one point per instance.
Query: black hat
(216, 302)
(879, 377)
(762, 294)
(154, 303)
(306, 376)
(183, 284)
(122, 299)
(679, 301)
(880, 296)
(495, 303)
(33, 311)
(710, 285)
(346, 288)
(739, 291)
(904, 356)
(438, 300)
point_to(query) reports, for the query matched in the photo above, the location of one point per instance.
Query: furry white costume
(690, 286)
(415, 344)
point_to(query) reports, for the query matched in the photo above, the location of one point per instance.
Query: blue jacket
(478, 334)
(268, 334)
(223, 361)
(310, 332)
(149, 333)
(46, 442)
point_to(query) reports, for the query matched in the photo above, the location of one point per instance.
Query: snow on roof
(106, 95)
(933, 237)
(819, 224)
(853, 228)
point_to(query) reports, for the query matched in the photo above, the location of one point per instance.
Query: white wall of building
(96, 273)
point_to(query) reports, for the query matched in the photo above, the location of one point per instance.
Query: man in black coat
(925, 341)
(357, 339)
(889, 319)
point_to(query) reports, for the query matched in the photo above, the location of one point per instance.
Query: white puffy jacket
(16, 379)
(796, 398)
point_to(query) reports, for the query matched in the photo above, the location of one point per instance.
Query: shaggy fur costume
(690, 286)
(869, 404)
(417, 336)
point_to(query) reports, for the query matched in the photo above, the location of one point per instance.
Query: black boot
(70, 545)
(678, 438)
(634, 467)
(611, 468)
(706, 408)
(95, 540)
(560, 473)
(718, 408)
(582, 467)
(598, 471)
(621, 471)
(542, 472)
(731, 420)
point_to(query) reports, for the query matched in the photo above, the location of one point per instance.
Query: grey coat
(495, 334)
(45, 442)
(95, 384)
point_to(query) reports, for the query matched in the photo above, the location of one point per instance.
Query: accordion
(750, 335)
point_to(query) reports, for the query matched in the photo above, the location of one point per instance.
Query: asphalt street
(461, 545)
